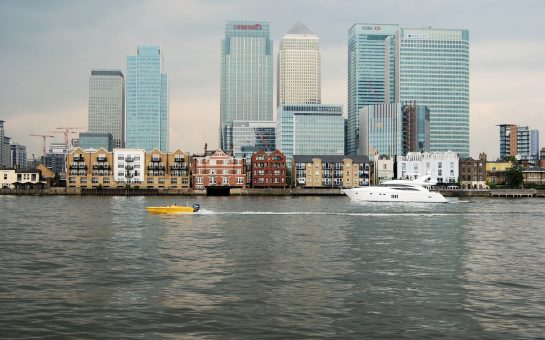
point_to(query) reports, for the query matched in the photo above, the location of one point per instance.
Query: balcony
(129, 167)
(129, 159)
(101, 159)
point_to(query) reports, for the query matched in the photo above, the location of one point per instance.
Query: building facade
(147, 100)
(434, 71)
(94, 140)
(100, 168)
(514, 141)
(533, 175)
(496, 172)
(249, 137)
(389, 64)
(299, 67)
(442, 167)
(246, 90)
(107, 105)
(170, 170)
(20, 179)
(534, 147)
(372, 71)
(90, 169)
(394, 129)
(55, 157)
(4, 147)
(383, 169)
(18, 156)
(218, 169)
(310, 130)
(473, 173)
(269, 170)
(330, 171)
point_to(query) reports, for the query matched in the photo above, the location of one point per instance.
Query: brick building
(269, 170)
(218, 169)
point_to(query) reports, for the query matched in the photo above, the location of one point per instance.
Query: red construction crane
(67, 131)
(44, 138)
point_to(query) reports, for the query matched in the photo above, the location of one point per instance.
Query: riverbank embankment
(505, 193)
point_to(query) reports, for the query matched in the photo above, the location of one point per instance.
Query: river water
(271, 268)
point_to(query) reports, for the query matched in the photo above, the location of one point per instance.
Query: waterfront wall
(506, 193)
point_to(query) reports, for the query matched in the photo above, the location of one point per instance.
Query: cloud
(49, 48)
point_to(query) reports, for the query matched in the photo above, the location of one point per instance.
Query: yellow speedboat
(170, 209)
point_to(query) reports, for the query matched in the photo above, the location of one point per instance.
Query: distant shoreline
(491, 193)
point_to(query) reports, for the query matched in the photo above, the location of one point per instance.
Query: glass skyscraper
(534, 146)
(394, 129)
(429, 66)
(246, 92)
(371, 72)
(147, 101)
(299, 67)
(434, 71)
(310, 130)
(107, 104)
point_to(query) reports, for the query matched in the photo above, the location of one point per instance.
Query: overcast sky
(48, 49)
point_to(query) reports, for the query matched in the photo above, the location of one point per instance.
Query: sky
(48, 49)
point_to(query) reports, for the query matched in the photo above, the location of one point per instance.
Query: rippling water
(271, 267)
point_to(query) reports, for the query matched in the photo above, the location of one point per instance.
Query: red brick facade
(218, 169)
(269, 171)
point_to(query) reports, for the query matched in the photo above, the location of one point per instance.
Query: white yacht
(397, 190)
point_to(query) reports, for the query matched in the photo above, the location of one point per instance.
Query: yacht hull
(376, 194)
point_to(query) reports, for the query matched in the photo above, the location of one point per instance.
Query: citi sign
(254, 27)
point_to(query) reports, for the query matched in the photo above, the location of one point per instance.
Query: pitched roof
(300, 28)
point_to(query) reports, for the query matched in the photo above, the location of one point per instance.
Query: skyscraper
(299, 67)
(434, 71)
(18, 156)
(429, 66)
(107, 104)
(394, 129)
(534, 146)
(306, 129)
(4, 147)
(147, 101)
(246, 92)
(371, 72)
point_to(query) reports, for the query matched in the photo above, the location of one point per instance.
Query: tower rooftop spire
(300, 28)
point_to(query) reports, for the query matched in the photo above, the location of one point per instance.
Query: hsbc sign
(371, 28)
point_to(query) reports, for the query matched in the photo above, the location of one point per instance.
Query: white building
(19, 178)
(129, 166)
(107, 104)
(299, 67)
(443, 167)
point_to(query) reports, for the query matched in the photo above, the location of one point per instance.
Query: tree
(513, 178)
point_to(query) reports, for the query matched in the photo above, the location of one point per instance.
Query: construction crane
(67, 131)
(44, 138)
(263, 141)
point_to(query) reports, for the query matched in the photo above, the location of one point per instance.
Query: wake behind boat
(169, 209)
(397, 190)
